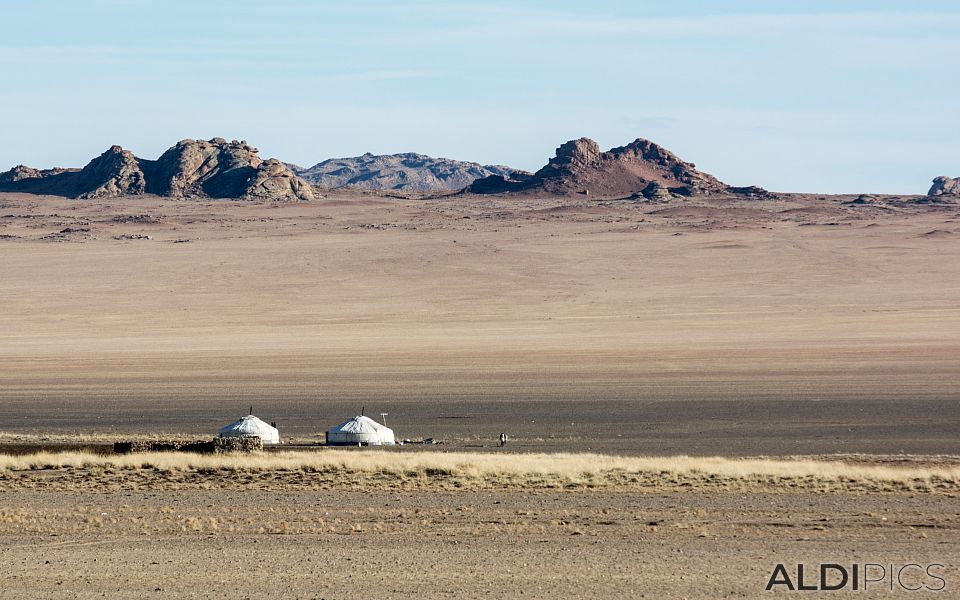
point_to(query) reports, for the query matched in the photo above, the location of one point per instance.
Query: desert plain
(819, 327)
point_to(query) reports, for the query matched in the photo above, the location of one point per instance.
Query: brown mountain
(192, 168)
(639, 168)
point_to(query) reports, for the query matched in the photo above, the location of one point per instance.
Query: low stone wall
(245, 445)
(215, 446)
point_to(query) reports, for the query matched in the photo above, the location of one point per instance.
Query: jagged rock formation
(945, 186)
(273, 179)
(19, 173)
(192, 168)
(36, 181)
(116, 172)
(639, 168)
(221, 169)
(408, 172)
(656, 191)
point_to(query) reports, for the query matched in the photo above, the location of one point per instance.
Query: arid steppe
(716, 327)
(335, 523)
(796, 326)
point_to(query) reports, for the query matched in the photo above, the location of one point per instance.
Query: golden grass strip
(477, 465)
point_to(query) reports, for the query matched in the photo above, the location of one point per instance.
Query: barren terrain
(814, 329)
(791, 326)
(339, 523)
(347, 543)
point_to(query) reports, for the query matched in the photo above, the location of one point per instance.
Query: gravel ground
(247, 543)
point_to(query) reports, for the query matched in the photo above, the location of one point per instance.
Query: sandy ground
(794, 326)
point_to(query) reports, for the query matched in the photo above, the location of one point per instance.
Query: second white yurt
(251, 426)
(360, 431)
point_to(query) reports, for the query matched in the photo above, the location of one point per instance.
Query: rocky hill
(192, 168)
(639, 168)
(945, 186)
(408, 172)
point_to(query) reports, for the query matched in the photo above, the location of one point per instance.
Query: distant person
(503, 439)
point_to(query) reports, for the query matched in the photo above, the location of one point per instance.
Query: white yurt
(360, 431)
(250, 426)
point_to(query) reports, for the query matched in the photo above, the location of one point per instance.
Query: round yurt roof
(359, 424)
(251, 426)
(360, 429)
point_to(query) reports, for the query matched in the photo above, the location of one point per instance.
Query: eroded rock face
(220, 169)
(580, 167)
(945, 186)
(408, 172)
(19, 173)
(182, 169)
(573, 157)
(192, 168)
(272, 180)
(656, 191)
(116, 172)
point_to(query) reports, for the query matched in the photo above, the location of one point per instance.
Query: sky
(816, 96)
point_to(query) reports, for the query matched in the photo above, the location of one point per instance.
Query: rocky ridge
(116, 172)
(641, 168)
(19, 173)
(191, 169)
(407, 172)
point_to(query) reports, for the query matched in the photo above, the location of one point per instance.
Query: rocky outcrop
(272, 179)
(945, 186)
(656, 191)
(184, 169)
(640, 168)
(19, 173)
(572, 159)
(408, 172)
(116, 172)
(496, 184)
(57, 181)
(221, 169)
(217, 168)
(192, 168)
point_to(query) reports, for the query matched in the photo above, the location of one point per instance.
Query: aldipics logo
(830, 577)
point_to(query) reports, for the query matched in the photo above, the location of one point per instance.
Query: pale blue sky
(820, 96)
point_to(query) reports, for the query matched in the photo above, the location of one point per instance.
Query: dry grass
(571, 467)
